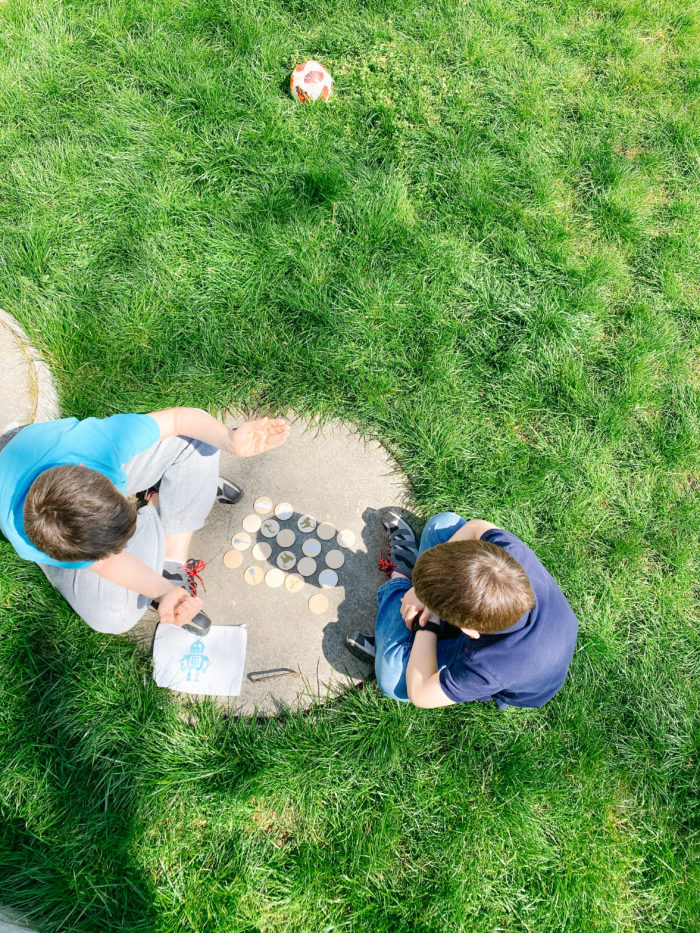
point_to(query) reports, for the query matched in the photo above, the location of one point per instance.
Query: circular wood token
(286, 537)
(318, 604)
(251, 523)
(294, 583)
(261, 550)
(286, 560)
(328, 578)
(335, 559)
(306, 566)
(270, 527)
(253, 575)
(274, 578)
(325, 531)
(346, 537)
(311, 547)
(283, 511)
(262, 505)
(241, 541)
(233, 559)
(306, 523)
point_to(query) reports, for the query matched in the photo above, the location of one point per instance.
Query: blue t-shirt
(526, 664)
(103, 444)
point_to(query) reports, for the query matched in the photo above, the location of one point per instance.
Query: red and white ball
(310, 81)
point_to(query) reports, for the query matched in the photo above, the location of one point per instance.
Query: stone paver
(27, 392)
(326, 472)
(331, 474)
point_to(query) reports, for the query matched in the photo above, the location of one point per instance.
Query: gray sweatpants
(188, 472)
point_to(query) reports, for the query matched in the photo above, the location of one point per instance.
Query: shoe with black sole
(187, 575)
(362, 646)
(403, 547)
(227, 492)
(144, 497)
(200, 625)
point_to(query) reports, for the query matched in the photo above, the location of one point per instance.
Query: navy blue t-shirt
(526, 664)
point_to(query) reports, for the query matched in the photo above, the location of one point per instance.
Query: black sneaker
(228, 493)
(362, 646)
(403, 547)
(188, 575)
(144, 497)
(200, 625)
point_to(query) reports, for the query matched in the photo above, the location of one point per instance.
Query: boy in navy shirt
(508, 632)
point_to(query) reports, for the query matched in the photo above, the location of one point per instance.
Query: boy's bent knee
(443, 520)
(114, 620)
(388, 683)
(440, 528)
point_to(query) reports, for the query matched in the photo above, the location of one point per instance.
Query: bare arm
(249, 439)
(177, 606)
(422, 676)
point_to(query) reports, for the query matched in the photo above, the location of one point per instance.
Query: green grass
(483, 251)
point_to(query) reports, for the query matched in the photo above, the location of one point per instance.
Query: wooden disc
(286, 537)
(306, 566)
(251, 523)
(253, 576)
(325, 531)
(335, 559)
(261, 550)
(270, 527)
(241, 541)
(293, 582)
(346, 537)
(233, 559)
(318, 604)
(283, 511)
(311, 547)
(286, 560)
(328, 578)
(274, 578)
(262, 505)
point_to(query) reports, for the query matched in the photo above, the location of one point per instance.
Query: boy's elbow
(417, 696)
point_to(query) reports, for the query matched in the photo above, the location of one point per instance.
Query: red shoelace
(386, 565)
(193, 568)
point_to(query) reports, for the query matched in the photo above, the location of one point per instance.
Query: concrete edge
(43, 391)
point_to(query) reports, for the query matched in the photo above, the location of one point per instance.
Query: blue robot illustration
(196, 662)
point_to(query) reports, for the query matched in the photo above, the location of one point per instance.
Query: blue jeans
(393, 639)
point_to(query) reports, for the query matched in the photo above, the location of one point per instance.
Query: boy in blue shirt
(63, 503)
(510, 632)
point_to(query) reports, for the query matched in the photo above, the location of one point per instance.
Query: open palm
(256, 437)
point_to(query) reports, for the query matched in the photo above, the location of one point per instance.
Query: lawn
(484, 251)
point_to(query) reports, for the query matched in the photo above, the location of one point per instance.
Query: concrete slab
(13, 922)
(27, 392)
(326, 475)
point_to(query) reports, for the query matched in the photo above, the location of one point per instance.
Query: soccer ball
(309, 81)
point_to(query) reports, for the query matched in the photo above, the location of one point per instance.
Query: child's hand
(256, 437)
(411, 607)
(177, 607)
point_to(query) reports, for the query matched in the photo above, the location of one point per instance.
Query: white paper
(211, 665)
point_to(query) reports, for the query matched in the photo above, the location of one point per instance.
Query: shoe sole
(360, 653)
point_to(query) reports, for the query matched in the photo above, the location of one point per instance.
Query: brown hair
(473, 584)
(73, 513)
